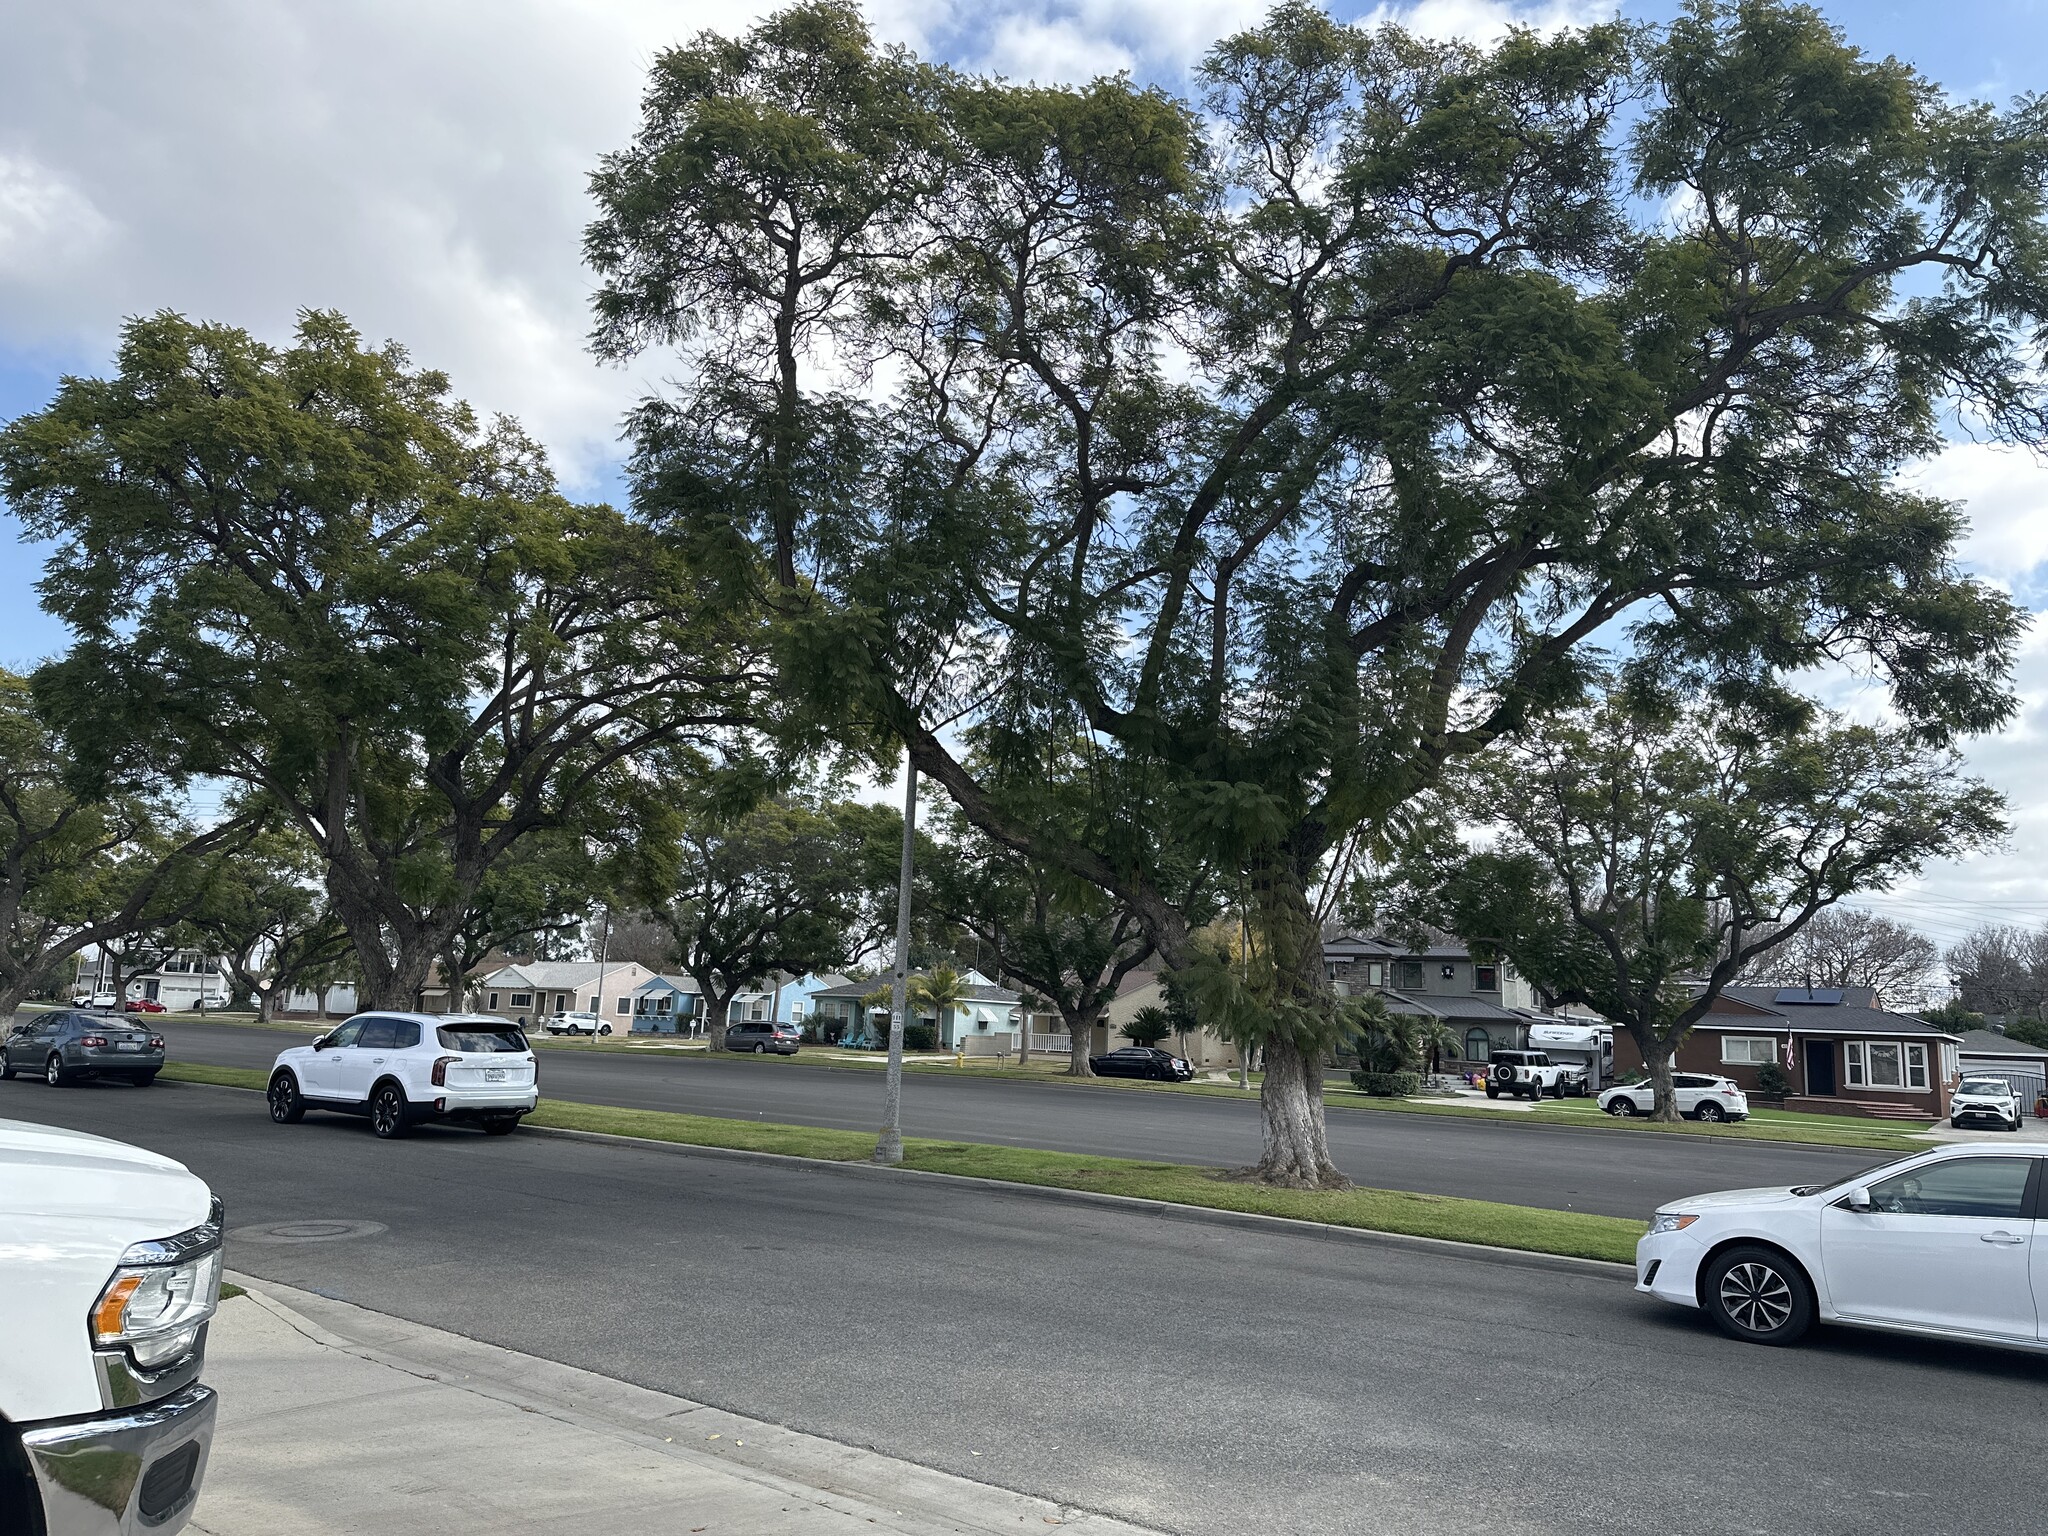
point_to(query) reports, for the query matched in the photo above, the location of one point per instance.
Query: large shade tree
(267, 917)
(310, 571)
(1289, 442)
(89, 859)
(1647, 859)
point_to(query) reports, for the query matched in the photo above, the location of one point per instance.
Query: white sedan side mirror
(1859, 1199)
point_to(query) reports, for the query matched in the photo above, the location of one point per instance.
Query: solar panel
(1818, 996)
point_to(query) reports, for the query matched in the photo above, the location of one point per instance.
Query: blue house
(667, 1005)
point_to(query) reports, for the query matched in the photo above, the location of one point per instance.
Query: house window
(522, 999)
(1410, 974)
(1485, 978)
(1748, 1050)
(1508, 970)
(1376, 973)
(561, 1002)
(1477, 1044)
(1916, 1066)
(593, 1002)
(625, 1005)
(1886, 1064)
(494, 999)
(1852, 1058)
(760, 1009)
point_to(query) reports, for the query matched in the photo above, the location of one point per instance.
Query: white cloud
(45, 223)
(2005, 492)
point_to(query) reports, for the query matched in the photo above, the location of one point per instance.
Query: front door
(1820, 1067)
(326, 1072)
(1944, 1245)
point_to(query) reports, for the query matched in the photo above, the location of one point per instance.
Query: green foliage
(311, 572)
(1955, 1018)
(1772, 1080)
(1651, 854)
(1387, 1085)
(1384, 1041)
(2026, 1031)
(920, 1037)
(939, 991)
(1148, 1026)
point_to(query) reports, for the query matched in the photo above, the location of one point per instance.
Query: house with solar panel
(1844, 1053)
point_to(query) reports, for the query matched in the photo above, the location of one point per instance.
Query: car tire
(1710, 1113)
(604, 1029)
(1621, 1106)
(54, 1073)
(6, 1071)
(1757, 1295)
(1492, 1092)
(387, 1111)
(287, 1104)
(760, 1050)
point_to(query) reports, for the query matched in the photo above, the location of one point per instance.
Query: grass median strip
(1531, 1229)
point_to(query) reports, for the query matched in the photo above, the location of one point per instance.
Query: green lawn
(1376, 1210)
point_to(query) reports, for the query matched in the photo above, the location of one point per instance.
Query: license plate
(494, 1074)
(127, 1045)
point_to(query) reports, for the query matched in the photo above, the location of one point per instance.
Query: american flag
(1789, 1063)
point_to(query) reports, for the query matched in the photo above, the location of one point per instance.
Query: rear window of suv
(480, 1037)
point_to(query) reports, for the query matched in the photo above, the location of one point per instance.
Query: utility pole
(889, 1145)
(604, 945)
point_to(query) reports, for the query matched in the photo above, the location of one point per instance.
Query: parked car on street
(761, 1036)
(71, 1046)
(1988, 1101)
(111, 1277)
(1531, 1074)
(106, 1002)
(400, 1069)
(579, 1023)
(1937, 1243)
(1699, 1098)
(1142, 1061)
(142, 1005)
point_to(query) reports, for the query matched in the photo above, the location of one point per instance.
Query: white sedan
(1950, 1243)
(1699, 1098)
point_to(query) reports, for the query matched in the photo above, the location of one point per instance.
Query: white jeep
(1530, 1075)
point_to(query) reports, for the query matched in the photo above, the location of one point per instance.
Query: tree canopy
(1289, 442)
(311, 571)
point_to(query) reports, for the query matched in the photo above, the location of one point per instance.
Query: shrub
(1387, 1085)
(1772, 1081)
(920, 1037)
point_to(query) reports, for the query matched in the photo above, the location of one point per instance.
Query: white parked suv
(402, 1068)
(111, 1275)
(1937, 1243)
(1985, 1101)
(579, 1023)
(1531, 1074)
(1699, 1098)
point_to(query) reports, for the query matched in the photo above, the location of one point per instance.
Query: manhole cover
(306, 1231)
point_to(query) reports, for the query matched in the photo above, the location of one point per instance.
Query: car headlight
(1668, 1222)
(160, 1295)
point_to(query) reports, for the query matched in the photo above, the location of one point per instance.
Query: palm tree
(1385, 1041)
(1148, 1026)
(942, 990)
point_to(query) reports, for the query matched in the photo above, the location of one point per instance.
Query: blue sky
(421, 168)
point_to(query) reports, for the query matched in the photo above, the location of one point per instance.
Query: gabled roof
(1452, 1010)
(1761, 1008)
(666, 983)
(1989, 1042)
(544, 974)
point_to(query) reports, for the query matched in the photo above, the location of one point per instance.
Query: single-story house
(667, 1005)
(1205, 1049)
(1993, 1053)
(1843, 1054)
(783, 999)
(989, 1020)
(538, 989)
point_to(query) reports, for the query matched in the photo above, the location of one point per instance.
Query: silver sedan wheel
(1756, 1297)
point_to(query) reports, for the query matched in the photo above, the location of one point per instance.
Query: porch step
(1868, 1109)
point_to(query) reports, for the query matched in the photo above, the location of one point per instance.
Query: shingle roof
(1989, 1042)
(1848, 1017)
(1453, 1009)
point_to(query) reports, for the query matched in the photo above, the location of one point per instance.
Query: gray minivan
(763, 1035)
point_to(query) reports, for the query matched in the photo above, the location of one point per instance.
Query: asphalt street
(1194, 1376)
(1613, 1173)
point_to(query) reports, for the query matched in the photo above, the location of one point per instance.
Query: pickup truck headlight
(160, 1295)
(1669, 1222)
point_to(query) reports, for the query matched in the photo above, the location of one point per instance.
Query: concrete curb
(803, 1467)
(1166, 1210)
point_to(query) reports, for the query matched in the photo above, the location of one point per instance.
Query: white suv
(402, 1068)
(1989, 1100)
(1699, 1098)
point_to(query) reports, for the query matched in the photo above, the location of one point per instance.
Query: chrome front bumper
(124, 1474)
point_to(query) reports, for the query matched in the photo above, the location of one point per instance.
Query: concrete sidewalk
(334, 1419)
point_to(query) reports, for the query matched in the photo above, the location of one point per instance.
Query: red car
(144, 1005)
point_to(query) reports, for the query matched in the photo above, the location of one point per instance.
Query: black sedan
(1142, 1061)
(61, 1048)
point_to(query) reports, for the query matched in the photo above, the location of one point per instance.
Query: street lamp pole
(889, 1145)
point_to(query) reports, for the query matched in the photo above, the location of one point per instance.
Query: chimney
(1998, 1026)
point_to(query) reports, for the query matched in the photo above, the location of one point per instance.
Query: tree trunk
(1660, 1057)
(718, 1016)
(1297, 1147)
(1081, 1036)
(266, 1002)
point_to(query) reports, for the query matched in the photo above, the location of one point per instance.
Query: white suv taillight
(441, 1066)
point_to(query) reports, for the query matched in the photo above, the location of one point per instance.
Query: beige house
(1142, 989)
(540, 989)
